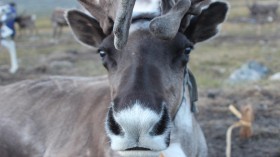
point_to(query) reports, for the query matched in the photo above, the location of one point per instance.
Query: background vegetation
(212, 62)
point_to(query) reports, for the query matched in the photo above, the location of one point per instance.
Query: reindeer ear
(86, 29)
(205, 25)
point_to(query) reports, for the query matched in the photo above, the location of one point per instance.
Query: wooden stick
(228, 137)
(235, 111)
(245, 122)
(247, 116)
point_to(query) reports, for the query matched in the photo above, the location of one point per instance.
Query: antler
(176, 14)
(103, 11)
(108, 12)
(122, 23)
(166, 26)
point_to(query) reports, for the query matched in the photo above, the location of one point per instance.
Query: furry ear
(86, 29)
(205, 25)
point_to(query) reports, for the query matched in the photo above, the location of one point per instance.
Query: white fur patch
(139, 153)
(174, 150)
(182, 126)
(137, 123)
(183, 119)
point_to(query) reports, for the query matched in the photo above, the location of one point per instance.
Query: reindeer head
(146, 76)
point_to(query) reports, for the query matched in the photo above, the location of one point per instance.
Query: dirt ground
(215, 118)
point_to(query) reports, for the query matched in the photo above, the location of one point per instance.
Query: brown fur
(42, 118)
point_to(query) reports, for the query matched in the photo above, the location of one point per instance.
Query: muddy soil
(215, 118)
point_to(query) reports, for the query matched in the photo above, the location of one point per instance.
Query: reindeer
(58, 22)
(26, 22)
(263, 13)
(146, 102)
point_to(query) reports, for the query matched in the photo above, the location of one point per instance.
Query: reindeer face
(144, 77)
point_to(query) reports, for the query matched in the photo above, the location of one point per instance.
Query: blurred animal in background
(8, 31)
(58, 22)
(263, 13)
(26, 23)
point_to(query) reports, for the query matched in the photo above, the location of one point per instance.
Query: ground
(211, 63)
(215, 118)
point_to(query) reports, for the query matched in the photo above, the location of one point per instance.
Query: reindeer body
(73, 126)
(64, 117)
(26, 22)
(58, 22)
(263, 13)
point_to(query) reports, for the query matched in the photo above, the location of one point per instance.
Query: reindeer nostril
(113, 126)
(162, 125)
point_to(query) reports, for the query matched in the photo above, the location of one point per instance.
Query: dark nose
(159, 128)
(113, 126)
(138, 129)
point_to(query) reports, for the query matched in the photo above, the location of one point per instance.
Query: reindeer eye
(102, 53)
(188, 50)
